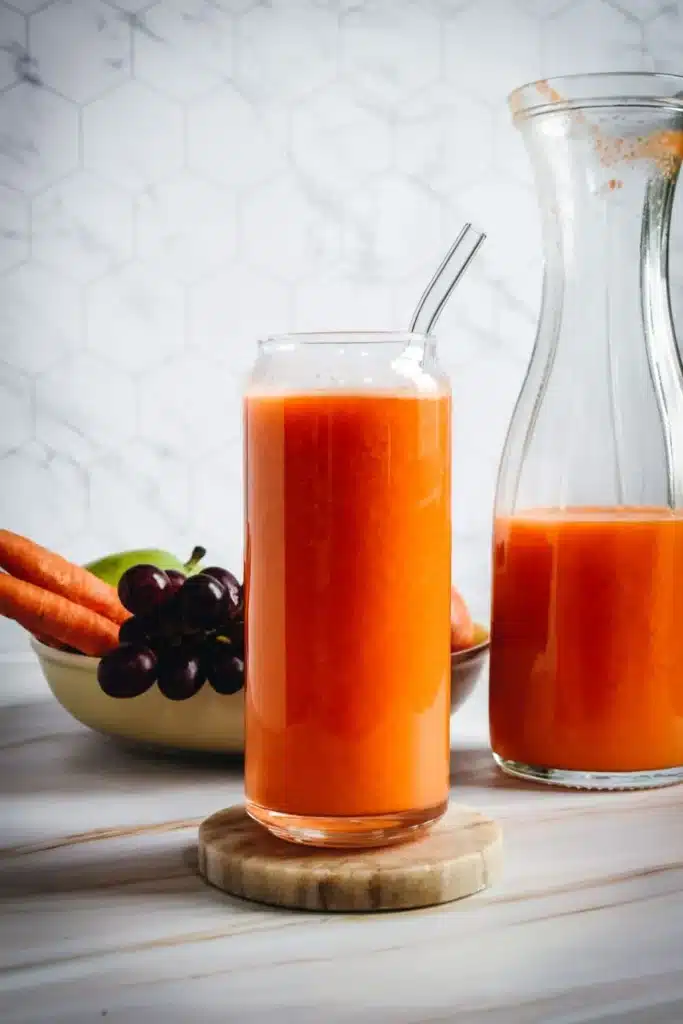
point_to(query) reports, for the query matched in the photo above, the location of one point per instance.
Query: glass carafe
(586, 684)
(347, 584)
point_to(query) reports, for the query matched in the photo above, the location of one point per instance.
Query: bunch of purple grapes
(184, 632)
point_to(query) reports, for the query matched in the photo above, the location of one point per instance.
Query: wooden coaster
(459, 856)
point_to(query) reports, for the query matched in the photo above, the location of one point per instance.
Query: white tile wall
(178, 178)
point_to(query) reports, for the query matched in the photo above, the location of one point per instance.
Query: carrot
(29, 561)
(40, 611)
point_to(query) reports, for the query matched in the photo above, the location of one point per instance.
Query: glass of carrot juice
(347, 587)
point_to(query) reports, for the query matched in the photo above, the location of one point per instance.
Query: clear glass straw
(438, 291)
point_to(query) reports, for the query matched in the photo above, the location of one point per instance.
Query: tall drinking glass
(347, 584)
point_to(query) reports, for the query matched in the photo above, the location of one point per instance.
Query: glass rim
(352, 337)
(599, 89)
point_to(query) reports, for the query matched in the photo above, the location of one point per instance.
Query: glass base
(347, 833)
(590, 780)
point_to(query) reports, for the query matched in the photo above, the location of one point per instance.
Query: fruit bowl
(208, 722)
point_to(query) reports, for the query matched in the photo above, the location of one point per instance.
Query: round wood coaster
(459, 856)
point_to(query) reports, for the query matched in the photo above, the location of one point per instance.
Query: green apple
(112, 567)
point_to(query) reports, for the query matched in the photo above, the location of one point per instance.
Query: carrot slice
(47, 614)
(29, 561)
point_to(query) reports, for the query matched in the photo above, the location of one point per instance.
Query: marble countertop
(103, 916)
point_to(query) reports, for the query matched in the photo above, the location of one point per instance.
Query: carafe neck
(605, 206)
(600, 417)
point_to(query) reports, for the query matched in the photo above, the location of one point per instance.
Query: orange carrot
(29, 561)
(40, 611)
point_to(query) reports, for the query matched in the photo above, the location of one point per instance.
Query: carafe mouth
(643, 89)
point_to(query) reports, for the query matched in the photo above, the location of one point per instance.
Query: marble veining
(105, 917)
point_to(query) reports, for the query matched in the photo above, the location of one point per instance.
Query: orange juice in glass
(348, 539)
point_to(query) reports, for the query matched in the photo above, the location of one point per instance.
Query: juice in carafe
(587, 644)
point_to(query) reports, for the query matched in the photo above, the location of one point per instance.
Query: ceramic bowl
(207, 722)
(467, 667)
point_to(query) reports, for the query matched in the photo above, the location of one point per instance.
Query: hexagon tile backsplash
(179, 178)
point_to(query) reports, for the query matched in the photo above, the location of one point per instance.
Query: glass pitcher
(347, 587)
(586, 683)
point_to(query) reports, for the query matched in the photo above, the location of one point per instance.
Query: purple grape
(223, 576)
(202, 601)
(127, 671)
(234, 632)
(225, 671)
(176, 579)
(162, 623)
(143, 587)
(134, 630)
(233, 600)
(168, 618)
(181, 673)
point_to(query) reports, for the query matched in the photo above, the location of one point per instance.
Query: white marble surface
(180, 177)
(103, 916)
